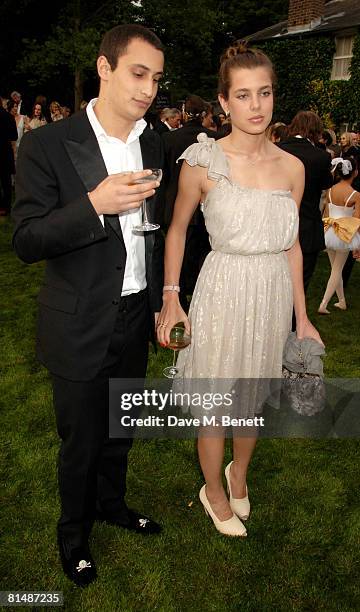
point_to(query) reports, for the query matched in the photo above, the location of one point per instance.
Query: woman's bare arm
(190, 188)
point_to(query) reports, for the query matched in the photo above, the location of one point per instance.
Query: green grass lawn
(302, 549)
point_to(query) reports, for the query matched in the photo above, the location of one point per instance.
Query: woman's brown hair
(240, 55)
(306, 124)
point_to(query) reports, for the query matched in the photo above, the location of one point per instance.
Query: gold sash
(344, 227)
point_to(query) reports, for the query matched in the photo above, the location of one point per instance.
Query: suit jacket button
(92, 235)
(115, 302)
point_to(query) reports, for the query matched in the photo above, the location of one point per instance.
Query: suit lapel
(84, 152)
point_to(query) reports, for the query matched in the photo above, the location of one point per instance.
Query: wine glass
(179, 339)
(146, 226)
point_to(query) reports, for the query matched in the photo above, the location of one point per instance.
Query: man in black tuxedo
(304, 132)
(197, 241)
(76, 208)
(8, 134)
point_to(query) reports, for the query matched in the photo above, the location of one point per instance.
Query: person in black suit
(8, 134)
(24, 107)
(170, 120)
(103, 282)
(304, 132)
(197, 240)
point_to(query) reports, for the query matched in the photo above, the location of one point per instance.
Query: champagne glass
(179, 339)
(146, 226)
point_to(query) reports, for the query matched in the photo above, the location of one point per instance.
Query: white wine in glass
(179, 339)
(146, 226)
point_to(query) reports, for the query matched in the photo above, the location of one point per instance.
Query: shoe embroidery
(142, 522)
(83, 565)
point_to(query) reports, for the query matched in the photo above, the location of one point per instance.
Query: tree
(71, 48)
(194, 35)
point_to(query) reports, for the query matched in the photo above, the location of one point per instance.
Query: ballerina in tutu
(342, 222)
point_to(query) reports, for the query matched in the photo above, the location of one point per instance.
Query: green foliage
(351, 99)
(240, 19)
(187, 30)
(65, 50)
(304, 70)
(325, 100)
(72, 44)
(298, 62)
(194, 34)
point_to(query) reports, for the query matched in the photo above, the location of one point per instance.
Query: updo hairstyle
(240, 55)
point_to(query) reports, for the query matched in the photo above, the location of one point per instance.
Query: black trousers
(92, 468)
(309, 263)
(347, 269)
(6, 189)
(197, 246)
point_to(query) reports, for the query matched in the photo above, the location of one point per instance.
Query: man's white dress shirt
(118, 157)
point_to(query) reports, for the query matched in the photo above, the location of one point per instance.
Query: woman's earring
(227, 114)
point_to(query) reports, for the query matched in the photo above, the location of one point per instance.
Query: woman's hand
(171, 313)
(305, 329)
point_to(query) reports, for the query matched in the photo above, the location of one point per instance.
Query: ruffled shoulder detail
(207, 154)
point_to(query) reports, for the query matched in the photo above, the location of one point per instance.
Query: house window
(342, 58)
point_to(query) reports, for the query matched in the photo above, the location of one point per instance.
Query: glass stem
(145, 219)
(174, 358)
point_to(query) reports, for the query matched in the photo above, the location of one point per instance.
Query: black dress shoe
(79, 565)
(134, 521)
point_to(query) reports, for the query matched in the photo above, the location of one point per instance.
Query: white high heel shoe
(241, 507)
(231, 527)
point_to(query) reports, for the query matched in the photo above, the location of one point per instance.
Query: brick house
(337, 21)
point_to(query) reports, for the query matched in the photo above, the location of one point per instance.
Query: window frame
(338, 37)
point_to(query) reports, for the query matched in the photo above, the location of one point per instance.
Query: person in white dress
(342, 222)
(21, 124)
(240, 314)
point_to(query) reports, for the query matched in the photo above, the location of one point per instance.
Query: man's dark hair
(116, 41)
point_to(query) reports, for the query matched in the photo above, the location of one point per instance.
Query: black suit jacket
(175, 143)
(161, 128)
(317, 177)
(55, 220)
(8, 133)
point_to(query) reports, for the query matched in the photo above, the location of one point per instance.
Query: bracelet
(171, 288)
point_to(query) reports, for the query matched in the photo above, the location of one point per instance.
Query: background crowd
(305, 137)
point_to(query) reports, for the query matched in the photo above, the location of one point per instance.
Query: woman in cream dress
(240, 314)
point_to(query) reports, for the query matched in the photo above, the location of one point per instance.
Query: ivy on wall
(303, 68)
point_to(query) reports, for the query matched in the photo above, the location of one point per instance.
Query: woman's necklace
(249, 159)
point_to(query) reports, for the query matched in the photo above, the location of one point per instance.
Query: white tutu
(335, 243)
(332, 240)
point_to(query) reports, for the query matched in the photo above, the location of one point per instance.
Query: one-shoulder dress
(241, 308)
